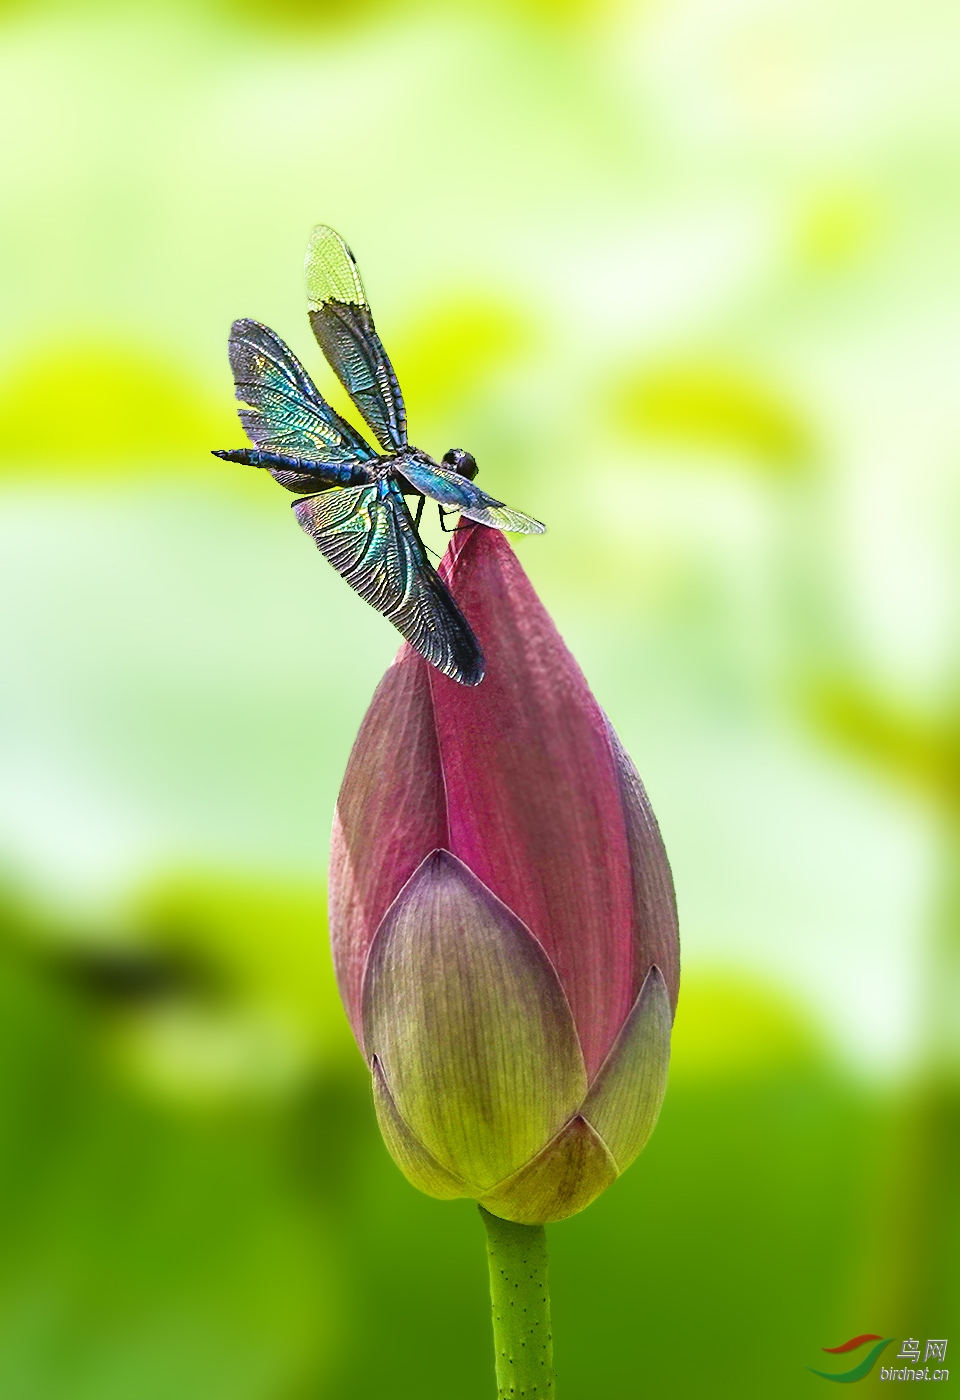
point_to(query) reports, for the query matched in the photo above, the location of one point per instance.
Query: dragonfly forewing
(451, 489)
(342, 322)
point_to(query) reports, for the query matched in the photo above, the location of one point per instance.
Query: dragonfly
(351, 496)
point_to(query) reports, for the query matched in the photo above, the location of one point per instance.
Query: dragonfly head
(463, 462)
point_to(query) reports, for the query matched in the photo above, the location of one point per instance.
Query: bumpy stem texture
(521, 1307)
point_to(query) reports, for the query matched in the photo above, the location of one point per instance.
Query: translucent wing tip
(505, 518)
(524, 524)
(323, 236)
(331, 269)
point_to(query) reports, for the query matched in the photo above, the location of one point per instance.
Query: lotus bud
(502, 915)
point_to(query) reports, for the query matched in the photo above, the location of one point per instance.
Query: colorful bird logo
(862, 1368)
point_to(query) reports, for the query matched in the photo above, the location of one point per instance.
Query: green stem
(521, 1307)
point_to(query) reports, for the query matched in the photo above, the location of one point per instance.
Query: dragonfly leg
(417, 517)
(443, 519)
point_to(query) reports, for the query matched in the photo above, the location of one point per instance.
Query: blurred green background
(683, 275)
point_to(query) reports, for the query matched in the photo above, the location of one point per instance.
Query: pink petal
(533, 797)
(390, 813)
(655, 904)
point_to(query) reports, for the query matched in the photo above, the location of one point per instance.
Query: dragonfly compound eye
(463, 462)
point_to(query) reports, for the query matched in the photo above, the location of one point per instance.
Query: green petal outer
(566, 1176)
(468, 1019)
(410, 1155)
(625, 1097)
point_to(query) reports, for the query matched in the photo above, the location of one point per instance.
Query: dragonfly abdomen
(329, 473)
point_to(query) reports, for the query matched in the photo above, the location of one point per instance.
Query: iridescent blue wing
(368, 537)
(341, 321)
(284, 411)
(452, 489)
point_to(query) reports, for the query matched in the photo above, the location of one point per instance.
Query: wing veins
(343, 324)
(282, 407)
(391, 572)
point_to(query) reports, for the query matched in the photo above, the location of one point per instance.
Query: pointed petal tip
(656, 980)
(569, 1173)
(624, 1100)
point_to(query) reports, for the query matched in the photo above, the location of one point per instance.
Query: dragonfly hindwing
(367, 535)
